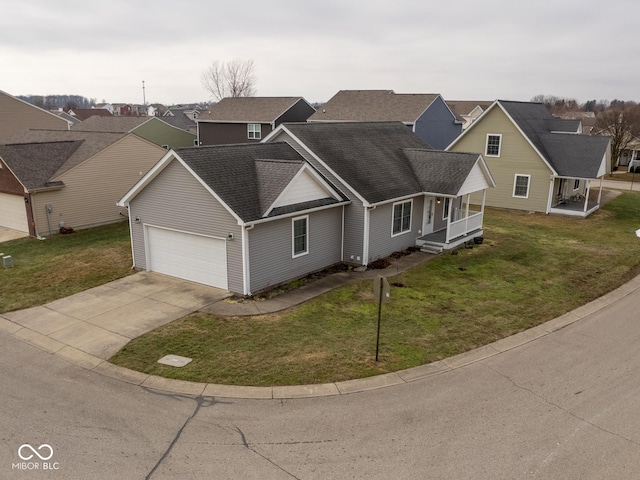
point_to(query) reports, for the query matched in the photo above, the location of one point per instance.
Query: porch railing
(465, 225)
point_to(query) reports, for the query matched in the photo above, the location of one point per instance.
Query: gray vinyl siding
(176, 200)
(271, 253)
(353, 213)
(92, 188)
(381, 241)
(437, 125)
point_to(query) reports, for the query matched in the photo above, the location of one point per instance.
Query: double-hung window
(300, 236)
(401, 217)
(494, 142)
(254, 131)
(521, 186)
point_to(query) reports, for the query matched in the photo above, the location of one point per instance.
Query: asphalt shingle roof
(248, 109)
(571, 155)
(34, 164)
(441, 172)
(465, 107)
(237, 173)
(110, 124)
(373, 106)
(92, 143)
(368, 156)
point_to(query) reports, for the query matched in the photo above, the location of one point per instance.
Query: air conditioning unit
(7, 261)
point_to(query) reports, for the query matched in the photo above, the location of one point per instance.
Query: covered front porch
(575, 196)
(460, 224)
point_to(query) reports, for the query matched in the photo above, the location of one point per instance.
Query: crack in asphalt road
(200, 403)
(249, 447)
(560, 407)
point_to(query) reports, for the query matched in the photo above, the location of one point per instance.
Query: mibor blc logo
(35, 458)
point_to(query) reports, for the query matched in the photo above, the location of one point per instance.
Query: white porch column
(600, 189)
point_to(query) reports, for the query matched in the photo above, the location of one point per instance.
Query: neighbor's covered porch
(450, 222)
(575, 196)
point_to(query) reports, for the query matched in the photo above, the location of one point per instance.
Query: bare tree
(622, 125)
(230, 79)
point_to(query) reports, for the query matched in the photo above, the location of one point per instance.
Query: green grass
(61, 265)
(531, 268)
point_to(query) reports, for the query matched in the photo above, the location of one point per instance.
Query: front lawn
(530, 269)
(61, 265)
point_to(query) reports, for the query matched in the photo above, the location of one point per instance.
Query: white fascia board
(486, 171)
(283, 128)
(398, 199)
(296, 214)
(470, 127)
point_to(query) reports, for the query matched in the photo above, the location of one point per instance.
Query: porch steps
(431, 249)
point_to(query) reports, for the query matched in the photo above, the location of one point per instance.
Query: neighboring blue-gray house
(427, 115)
(247, 217)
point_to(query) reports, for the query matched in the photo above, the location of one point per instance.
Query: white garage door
(184, 255)
(13, 213)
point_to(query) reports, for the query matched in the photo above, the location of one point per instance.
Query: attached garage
(189, 256)
(13, 212)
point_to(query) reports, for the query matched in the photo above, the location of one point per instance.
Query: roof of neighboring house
(249, 177)
(568, 154)
(84, 113)
(368, 156)
(374, 106)
(576, 156)
(69, 118)
(249, 109)
(92, 143)
(181, 121)
(34, 164)
(110, 124)
(465, 107)
(441, 172)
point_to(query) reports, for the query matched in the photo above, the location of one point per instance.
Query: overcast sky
(463, 49)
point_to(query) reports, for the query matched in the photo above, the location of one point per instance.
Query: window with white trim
(521, 186)
(300, 235)
(494, 142)
(576, 184)
(254, 131)
(401, 218)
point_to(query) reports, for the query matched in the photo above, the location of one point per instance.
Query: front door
(429, 208)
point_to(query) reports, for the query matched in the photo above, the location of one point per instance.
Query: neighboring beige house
(540, 163)
(18, 116)
(71, 179)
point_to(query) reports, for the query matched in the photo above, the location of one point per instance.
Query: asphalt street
(562, 406)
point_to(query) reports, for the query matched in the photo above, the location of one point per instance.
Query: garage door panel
(13, 212)
(188, 256)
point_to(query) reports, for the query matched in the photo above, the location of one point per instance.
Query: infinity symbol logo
(35, 452)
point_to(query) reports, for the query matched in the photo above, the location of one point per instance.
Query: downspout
(365, 238)
(33, 215)
(48, 208)
(246, 285)
(342, 240)
(551, 185)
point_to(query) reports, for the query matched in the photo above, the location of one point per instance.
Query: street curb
(103, 367)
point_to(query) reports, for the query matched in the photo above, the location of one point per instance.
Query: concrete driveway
(7, 234)
(100, 321)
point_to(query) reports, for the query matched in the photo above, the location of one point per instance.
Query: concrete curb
(413, 374)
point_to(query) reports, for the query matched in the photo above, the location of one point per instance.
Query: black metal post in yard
(379, 312)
